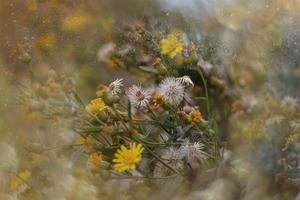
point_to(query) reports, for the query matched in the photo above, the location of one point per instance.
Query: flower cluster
(122, 130)
(165, 110)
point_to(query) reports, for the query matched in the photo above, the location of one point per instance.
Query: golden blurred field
(108, 99)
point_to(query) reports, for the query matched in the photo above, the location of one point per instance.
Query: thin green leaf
(150, 69)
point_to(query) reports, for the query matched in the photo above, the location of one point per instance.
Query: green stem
(205, 90)
(157, 157)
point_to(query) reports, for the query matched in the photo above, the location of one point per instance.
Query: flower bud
(181, 114)
(211, 131)
(217, 82)
(111, 99)
(102, 116)
(203, 123)
(193, 59)
(105, 165)
(167, 106)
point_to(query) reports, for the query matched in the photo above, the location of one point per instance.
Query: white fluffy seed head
(289, 103)
(174, 158)
(115, 87)
(106, 51)
(185, 80)
(193, 152)
(173, 90)
(138, 97)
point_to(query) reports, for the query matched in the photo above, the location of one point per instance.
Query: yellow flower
(32, 5)
(107, 24)
(195, 117)
(291, 139)
(158, 100)
(94, 161)
(172, 45)
(101, 90)
(75, 22)
(19, 179)
(88, 143)
(96, 106)
(126, 159)
(47, 42)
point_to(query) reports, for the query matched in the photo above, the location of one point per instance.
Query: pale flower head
(193, 152)
(289, 103)
(139, 97)
(205, 66)
(185, 80)
(174, 158)
(106, 51)
(173, 90)
(115, 87)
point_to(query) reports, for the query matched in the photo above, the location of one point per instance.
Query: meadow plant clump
(160, 100)
(157, 131)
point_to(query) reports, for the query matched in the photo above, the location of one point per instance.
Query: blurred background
(253, 46)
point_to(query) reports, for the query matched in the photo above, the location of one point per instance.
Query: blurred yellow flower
(88, 143)
(18, 180)
(96, 106)
(46, 42)
(126, 159)
(94, 161)
(172, 45)
(107, 23)
(101, 90)
(32, 5)
(75, 23)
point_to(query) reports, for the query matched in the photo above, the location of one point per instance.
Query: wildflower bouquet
(155, 131)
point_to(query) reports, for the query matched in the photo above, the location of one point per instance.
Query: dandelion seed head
(172, 90)
(193, 152)
(174, 158)
(105, 51)
(115, 87)
(138, 97)
(289, 103)
(185, 80)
